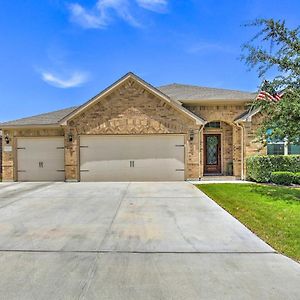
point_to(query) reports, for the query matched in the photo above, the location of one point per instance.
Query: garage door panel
(40, 159)
(154, 158)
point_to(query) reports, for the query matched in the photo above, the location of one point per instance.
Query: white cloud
(120, 7)
(159, 6)
(84, 18)
(102, 14)
(104, 11)
(73, 80)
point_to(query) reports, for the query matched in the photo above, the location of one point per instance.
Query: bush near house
(297, 178)
(260, 167)
(284, 178)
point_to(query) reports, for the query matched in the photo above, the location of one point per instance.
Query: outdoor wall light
(6, 139)
(192, 135)
(70, 137)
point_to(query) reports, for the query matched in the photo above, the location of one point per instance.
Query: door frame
(220, 148)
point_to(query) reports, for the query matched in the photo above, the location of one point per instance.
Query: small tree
(276, 48)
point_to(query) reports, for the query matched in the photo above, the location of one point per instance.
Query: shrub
(285, 178)
(296, 178)
(260, 167)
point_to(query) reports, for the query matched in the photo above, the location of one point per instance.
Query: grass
(271, 212)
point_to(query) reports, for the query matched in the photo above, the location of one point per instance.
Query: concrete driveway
(132, 241)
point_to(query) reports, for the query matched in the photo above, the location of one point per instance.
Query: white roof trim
(248, 116)
(174, 103)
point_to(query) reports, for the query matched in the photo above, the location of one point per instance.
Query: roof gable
(130, 76)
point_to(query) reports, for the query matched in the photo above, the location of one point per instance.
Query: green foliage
(276, 48)
(284, 178)
(297, 178)
(260, 167)
(272, 212)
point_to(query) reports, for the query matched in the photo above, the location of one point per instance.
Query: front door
(212, 153)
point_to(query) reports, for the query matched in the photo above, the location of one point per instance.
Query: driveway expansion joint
(138, 252)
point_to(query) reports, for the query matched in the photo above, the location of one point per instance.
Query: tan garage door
(40, 159)
(132, 158)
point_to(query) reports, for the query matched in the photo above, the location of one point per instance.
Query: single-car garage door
(40, 159)
(132, 158)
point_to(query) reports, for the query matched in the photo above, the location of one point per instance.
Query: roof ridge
(203, 87)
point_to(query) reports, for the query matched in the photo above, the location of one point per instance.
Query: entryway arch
(220, 148)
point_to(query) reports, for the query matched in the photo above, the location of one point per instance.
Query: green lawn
(272, 212)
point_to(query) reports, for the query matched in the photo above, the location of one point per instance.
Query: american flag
(268, 93)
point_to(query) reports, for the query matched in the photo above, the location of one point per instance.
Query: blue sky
(59, 53)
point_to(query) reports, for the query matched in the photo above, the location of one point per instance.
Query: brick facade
(9, 165)
(132, 109)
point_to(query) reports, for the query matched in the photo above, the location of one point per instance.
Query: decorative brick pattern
(225, 113)
(131, 109)
(231, 142)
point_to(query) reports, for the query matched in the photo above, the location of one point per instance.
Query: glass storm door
(212, 154)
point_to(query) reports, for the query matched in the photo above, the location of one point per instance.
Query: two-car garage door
(132, 158)
(104, 158)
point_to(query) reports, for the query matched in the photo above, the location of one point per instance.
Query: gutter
(3, 127)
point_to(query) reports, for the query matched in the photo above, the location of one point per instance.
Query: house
(132, 131)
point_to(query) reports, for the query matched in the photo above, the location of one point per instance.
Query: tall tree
(275, 49)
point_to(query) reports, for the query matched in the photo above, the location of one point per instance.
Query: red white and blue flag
(268, 94)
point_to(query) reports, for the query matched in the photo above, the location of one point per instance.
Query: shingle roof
(179, 92)
(183, 92)
(42, 119)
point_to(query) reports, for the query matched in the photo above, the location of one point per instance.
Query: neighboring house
(282, 148)
(133, 131)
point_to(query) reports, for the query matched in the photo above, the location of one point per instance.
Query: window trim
(285, 147)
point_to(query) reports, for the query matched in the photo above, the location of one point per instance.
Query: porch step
(219, 178)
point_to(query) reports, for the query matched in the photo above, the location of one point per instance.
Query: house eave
(247, 117)
(174, 103)
(30, 126)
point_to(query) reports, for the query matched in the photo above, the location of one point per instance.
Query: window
(281, 147)
(213, 125)
(294, 149)
(275, 149)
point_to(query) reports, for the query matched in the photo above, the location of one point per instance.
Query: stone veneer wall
(227, 114)
(131, 109)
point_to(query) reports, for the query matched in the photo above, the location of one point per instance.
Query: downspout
(200, 152)
(242, 150)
